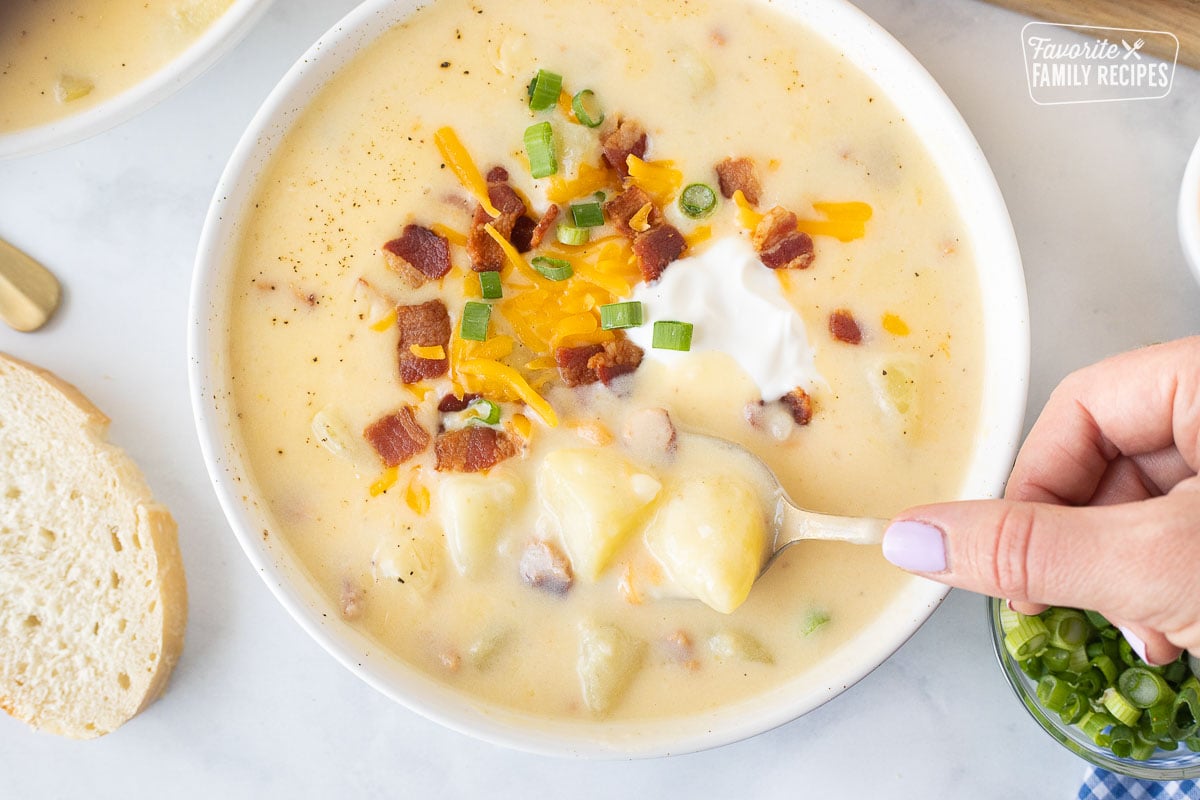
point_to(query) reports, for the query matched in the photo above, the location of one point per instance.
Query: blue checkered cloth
(1100, 784)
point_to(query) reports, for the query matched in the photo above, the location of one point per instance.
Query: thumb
(1100, 557)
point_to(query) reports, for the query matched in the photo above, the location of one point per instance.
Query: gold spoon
(29, 294)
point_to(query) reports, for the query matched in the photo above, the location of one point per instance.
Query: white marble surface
(257, 709)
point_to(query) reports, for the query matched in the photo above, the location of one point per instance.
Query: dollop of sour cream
(737, 307)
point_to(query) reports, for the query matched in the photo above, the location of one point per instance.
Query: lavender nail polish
(915, 546)
(1135, 642)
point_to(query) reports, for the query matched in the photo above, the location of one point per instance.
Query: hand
(1102, 510)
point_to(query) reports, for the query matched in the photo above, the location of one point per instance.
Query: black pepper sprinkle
(445, 65)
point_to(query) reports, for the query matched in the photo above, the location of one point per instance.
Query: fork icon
(1132, 50)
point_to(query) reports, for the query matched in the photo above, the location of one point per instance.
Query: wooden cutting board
(1180, 17)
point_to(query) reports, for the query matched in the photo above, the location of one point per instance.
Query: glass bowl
(1162, 766)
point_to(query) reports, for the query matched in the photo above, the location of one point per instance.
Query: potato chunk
(473, 509)
(608, 660)
(596, 496)
(710, 535)
(896, 383)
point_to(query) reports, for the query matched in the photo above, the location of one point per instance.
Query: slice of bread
(93, 600)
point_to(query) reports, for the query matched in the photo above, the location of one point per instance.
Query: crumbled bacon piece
(484, 251)
(543, 227)
(618, 357)
(497, 175)
(739, 173)
(799, 404)
(656, 249)
(573, 364)
(779, 244)
(419, 255)
(544, 566)
(628, 138)
(522, 234)
(426, 325)
(451, 404)
(473, 449)
(844, 327)
(397, 437)
(622, 208)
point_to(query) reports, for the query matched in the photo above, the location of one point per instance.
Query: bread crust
(155, 527)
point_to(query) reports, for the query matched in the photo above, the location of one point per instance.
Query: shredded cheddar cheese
(659, 179)
(698, 235)
(522, 425)
(588, 181)
(385, 322)
(416, 496)
(449, 234)
(493, 373)
(459, 161)
(433, 353)
(640, 221)
(386, 481)
(843, 221)
(894, 325)
(748, 218)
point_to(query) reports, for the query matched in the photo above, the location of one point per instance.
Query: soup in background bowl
(73, 68)
(487, 518)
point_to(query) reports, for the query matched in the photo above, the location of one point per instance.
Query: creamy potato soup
(468, 396)
(60, 57)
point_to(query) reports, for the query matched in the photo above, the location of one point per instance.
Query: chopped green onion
(1033, 667)
(1143, 688)
(1143, 747)
(539, 146)
(1095, 649)
(544, 90)
(1120, 707)
(697, 200)
(586, 109)
(1091, 682)
(1127, 655)
(489, 284)
(1176, 672)
(621, 315)
(486, 411)
(1052, 692)
(1158, 718)
(573, 235)
(1056, 659)
(475, 319)
(814, 620)
(600, 196)
(1094, 723)
(1077, 660)
(1029, 638)
(1192, 743)
(1122, 741)
(1009, 619)
(1185, 714)
(1098, 620)
(587, 215)
(553, 268)
(1068, 628)
(1107, 666)
(672, 335)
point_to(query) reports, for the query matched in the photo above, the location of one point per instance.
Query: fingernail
(915, 546)
(1009, 605)
(1135, 642)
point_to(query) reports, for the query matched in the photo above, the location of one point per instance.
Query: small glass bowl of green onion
(1077, 676)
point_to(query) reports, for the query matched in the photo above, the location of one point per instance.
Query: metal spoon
(29, 294)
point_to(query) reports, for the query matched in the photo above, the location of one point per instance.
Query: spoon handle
(799, 524)
(29, 294)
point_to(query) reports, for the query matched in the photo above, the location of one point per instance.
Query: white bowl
(1189, 211)
(1005, 318)
(225, 32)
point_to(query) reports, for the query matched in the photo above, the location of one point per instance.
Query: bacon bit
(621, 210)
(450, 404)
(844, 327)
(543, 226)
(485, 253)
(779, 244)
(799, 405)
(573, 364)
(397, 437)
(353, 603)
(522, 234)
(679, 648)
(497, 174)
(628, 138)
(418, 256)
(738, 174)
(543, 566)
(627, 586)
(385, 481)
(434, 353)
(473, 449)
(656, 249)
(424, 325)
(618, 357)
(894, 325)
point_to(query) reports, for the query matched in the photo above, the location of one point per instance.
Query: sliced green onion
(1098, 620)
(475, 319)
(486, 411)
(489, 284)
(1143, 747)
(1056, 659)
(1094, 723)
(1107, 666)
(814, 620)
(1095, 649)
(1073, 709)
(1122, 741)
(553, 268)
(544, 90)
(1192, 743)
(1143, 688)
(587, 109)
(621, 315)
(1176, 672)
(1120, 707)
(1053, 691)
(573, 235)
(1009, 619)
(1068, 628)
(587, 215)
(539, 146)
(1127, 655)
(1077, 661)
(1158, 718)
(697, 200)
(1185, 714)
(673, 335)
(1033, 667)
(1091, 682)
(600, 196)
(1029, 638)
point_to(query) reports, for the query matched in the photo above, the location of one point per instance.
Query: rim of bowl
(1178, 766)
(962, 165)
(220, 37)
(1189, 211)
